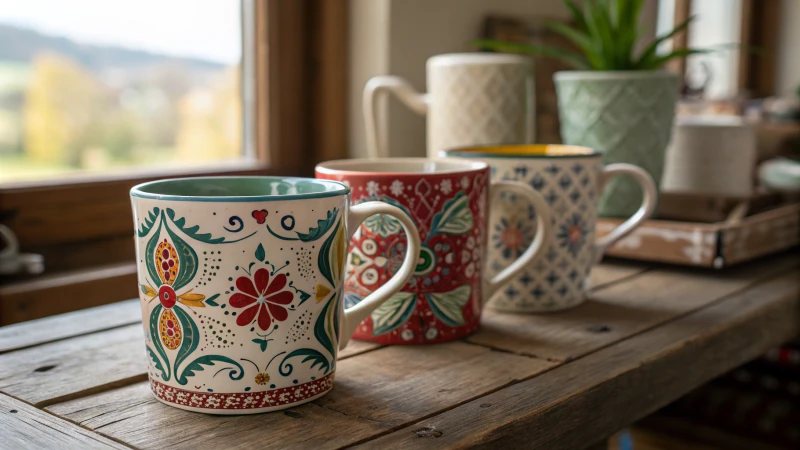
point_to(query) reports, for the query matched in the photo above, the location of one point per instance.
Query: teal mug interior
(218, 189)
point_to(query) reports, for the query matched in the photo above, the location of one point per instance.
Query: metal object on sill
(12, 261)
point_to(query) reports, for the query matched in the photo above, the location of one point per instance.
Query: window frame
(298, 111)
(759, 29)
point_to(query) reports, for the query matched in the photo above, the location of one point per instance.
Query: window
(742, 36)
(266, 95)
(119, 87)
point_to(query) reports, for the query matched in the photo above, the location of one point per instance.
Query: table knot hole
(293, 414)
(428, 432)
(599, 329)
(44, 368)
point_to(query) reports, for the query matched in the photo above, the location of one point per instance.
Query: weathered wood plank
(132, 415)
(66, 292)
(621, 310)
(589, 399)
(355, 347)
(397, 384)
(374, 392)
(23, 426)
(75, 367)
(614, 271)
(87, 364)
(49, 329)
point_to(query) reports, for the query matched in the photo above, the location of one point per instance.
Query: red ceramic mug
(448, 201)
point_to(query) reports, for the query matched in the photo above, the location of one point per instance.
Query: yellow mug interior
(523, 151)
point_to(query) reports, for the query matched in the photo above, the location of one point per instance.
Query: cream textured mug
(472, 99)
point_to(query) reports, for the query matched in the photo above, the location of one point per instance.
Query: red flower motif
(263, 302)
(167, 296)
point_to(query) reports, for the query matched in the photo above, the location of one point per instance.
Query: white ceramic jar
(711, 155)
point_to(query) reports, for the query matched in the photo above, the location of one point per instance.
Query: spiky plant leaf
(661, 60)
(606, 33)
(573, 59)
(650, 52)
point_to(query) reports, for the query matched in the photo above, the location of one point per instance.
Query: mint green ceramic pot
(627, 116)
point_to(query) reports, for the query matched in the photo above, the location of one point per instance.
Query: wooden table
(647, 335)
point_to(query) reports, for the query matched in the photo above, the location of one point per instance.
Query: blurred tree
(211, 121)
(62, 101)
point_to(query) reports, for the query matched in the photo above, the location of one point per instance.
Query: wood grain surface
(594, 396)
(647, 335)
(23, 426)
(617, 311)
(49, 329)
(65, 292)
(74, 367)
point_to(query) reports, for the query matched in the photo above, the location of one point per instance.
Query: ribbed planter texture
(625, 115)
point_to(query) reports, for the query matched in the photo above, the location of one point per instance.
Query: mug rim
(346, 167)
(522, 151)
(478, 58)
(332, 189)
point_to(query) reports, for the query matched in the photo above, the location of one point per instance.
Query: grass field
(13, 76)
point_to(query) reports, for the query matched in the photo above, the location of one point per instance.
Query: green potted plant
(617, 101)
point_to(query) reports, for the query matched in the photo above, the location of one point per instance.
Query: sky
(207, 29)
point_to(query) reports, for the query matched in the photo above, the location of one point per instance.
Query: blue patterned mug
(241, 283)
(570, 178)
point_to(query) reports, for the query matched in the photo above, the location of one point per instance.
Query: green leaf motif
(149, 222)
(322, 227)
(191, 337)
(262, 343)
(150, 253)
(157, 363)
(303, 296)
(393, 313)
(335, 313)
(260, 253)
(382, 224)
(315, 356)
(323, 328)
(210, 300)
(208, 360)
(351, 299)
(455, 217)
(156, 340)
(188, 260)
(324, 258)
(448, 306)
(192, 232)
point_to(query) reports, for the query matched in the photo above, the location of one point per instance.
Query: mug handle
(650, 194)
(355, 315)
(11, 249)
(544, 231)
(418, 102)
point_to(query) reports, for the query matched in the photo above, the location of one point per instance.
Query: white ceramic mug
(570, 179)
(711, 155)
(241, 282)
(12, 261)
(472, 99)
